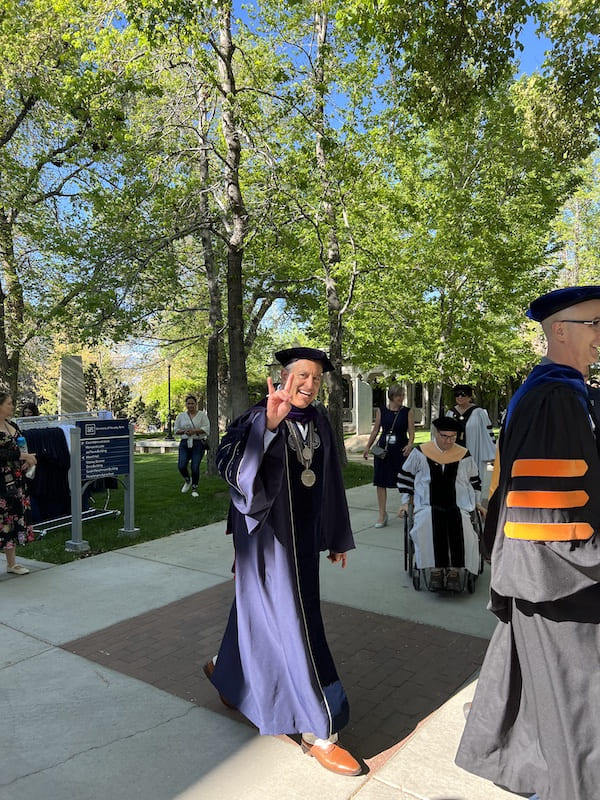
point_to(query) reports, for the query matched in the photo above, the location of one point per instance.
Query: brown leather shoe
(209, 668)
(334, 758)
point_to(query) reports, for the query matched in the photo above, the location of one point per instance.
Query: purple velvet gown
(274, 663)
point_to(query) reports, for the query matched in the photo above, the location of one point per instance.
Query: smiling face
(191, 406)
(572, 343)
(307, 376)
(463, 400)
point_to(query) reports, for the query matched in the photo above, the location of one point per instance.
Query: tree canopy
(372, 175)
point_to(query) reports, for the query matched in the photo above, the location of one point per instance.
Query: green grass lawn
(422, 436)
(160, 508)
(425, 435)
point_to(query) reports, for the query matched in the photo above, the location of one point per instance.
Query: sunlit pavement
(103, 694)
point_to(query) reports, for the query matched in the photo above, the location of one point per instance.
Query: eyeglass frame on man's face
(462, 394)
(595, 323)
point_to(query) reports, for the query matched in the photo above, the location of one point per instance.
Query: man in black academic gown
(287, 505)
(534, 725)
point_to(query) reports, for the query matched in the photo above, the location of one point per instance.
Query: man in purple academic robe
(287, 505)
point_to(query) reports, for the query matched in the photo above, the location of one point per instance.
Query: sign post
(101, 449)
(76, 543)
(129, 528)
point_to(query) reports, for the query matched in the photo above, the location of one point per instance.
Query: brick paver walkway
(395, 672)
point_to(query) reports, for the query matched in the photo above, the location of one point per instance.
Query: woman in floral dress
(14, 501)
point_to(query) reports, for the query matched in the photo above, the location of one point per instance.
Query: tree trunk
(238, 216)
(436, 400)
(215, 349)
(11, 309)
(238, 380)
(332, 256)
(493, 410)
(336, 390)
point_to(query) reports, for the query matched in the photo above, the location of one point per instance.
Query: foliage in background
(64, 84)
(576, 230)
(368, 171)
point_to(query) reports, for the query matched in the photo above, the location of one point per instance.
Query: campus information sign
(104, 448)
(100, 448)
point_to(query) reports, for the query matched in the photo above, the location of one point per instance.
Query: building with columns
(362, 397)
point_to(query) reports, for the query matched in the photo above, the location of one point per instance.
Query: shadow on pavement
(395, 672)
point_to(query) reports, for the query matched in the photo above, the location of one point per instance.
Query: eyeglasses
(448, 436)
(595, 323)
(466, 394)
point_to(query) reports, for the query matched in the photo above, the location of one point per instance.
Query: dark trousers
(193, 454)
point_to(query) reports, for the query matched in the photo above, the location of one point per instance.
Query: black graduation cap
(550, 303)
(447, 424)
(465, 388)
(285, 357)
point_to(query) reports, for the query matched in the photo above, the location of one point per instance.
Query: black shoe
(453, 580)
(436, 580)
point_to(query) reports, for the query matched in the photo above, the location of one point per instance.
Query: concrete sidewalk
(102, 693)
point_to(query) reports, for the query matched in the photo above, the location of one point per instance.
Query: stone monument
(71, 389)
(363, 406)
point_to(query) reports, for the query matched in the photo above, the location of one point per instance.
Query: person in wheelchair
(442, 479)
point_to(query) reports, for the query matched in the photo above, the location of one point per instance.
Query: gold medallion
(308, 477)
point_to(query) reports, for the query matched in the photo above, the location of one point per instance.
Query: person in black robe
(593, 388)
(287, 505)
(534, 724)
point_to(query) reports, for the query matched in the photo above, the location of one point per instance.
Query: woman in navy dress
(397, 426)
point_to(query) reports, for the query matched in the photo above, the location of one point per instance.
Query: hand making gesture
(278, 402)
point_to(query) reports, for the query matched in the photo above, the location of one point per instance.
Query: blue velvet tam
(286, 357)
(550, 303)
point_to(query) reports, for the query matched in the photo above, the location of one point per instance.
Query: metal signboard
(105, 445)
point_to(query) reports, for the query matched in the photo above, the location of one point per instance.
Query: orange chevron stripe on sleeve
(573, 499)
(549, 467)
(548, 532)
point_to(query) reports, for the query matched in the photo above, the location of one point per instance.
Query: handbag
(378, 452)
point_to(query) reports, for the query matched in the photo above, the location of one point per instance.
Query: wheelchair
(423, 578)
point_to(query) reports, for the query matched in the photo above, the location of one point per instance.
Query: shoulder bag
(377, 450)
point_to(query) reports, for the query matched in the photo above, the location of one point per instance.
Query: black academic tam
(286, 357)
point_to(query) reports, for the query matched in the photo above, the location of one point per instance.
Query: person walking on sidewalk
(534, 724)
(476, 432)
(397, 426)
(288, 503)
(194, 428)
(15, 528)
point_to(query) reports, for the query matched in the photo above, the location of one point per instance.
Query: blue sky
(532, 56)
(530, 59)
